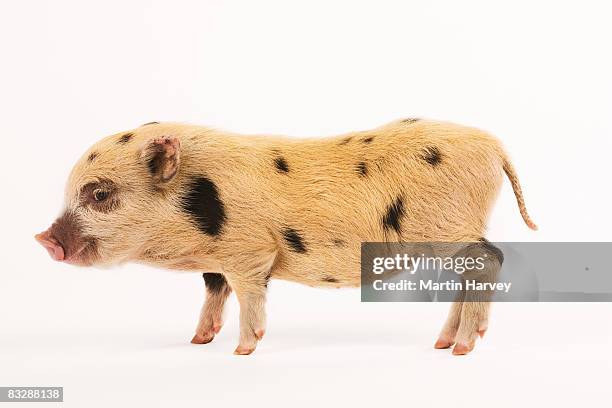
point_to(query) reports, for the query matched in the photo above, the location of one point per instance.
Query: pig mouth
(85, 255)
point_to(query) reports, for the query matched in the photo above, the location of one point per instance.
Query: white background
(536, 74)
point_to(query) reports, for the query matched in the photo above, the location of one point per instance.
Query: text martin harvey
(468, 285)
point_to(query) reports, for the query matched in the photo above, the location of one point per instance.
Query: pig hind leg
(211, 316)
(469, 314)
(449, 331)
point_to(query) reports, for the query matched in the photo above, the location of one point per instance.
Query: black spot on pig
(201, 201)
(150, 123)
(125, 138)
(492, 249)
(362, 169)
(295, 241)
(330, 279)
(368, 140)
(392, 217)
(92, 157)
(345, 141)
(281, 165)
(432, 156)
(215, 282)
(339, 242)
(410, 120)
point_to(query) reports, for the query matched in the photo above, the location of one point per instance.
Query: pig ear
(162, 157)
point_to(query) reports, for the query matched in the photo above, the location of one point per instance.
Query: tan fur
(322, 196)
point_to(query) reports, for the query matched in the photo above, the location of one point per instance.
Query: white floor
(121, 338)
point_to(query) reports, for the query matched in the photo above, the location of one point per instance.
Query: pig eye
(100, 195)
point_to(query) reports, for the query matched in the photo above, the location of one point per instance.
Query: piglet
(245, 209)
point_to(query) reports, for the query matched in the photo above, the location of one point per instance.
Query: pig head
(121, 200)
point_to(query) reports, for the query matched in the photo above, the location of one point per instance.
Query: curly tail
(516, 186)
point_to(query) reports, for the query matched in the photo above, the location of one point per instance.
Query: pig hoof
(202, 339)
(461, 349)
(481, 333)
(243, 351)
(443, 344)
(260, 333)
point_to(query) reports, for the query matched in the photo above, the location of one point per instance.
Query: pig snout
(47, 240)
(65, 242)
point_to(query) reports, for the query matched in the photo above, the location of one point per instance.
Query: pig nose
(51, 244)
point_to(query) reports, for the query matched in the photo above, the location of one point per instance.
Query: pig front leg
(211, 317)
(252, 301)
(248, 276)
